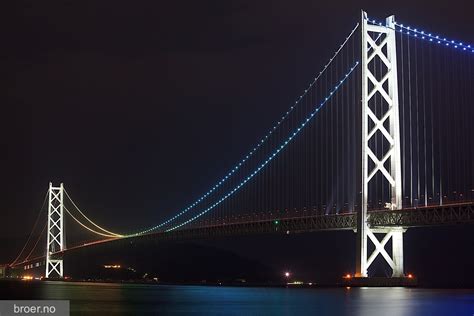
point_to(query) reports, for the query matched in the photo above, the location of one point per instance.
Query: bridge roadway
(275, 222)
(303, 221)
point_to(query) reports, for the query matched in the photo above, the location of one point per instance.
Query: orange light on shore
(410, 276)
(112, 266)
(347, 276)
(27, 278)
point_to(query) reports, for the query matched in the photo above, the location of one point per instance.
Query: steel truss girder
(379, 221)
(55, 235)
(387, 87)
(267, 226)
(462, 213)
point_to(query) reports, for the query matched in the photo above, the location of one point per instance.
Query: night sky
(138, 107)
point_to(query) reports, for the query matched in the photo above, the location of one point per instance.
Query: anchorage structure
(55, 240)
(378, 42)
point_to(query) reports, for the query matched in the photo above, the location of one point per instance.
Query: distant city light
(287, 274)
(295, 283)
(112, 266)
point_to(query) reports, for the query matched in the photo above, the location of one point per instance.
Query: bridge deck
(460, 213)
(275, 223)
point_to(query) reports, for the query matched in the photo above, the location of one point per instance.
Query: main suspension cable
(34, 227)
(37, 241)
(90, 221)
(90, 229)
(259, 144)
(271, 156)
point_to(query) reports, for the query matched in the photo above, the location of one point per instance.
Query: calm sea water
(132, 299)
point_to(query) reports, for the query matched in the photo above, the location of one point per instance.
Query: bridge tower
(378, 41)
(56, 234)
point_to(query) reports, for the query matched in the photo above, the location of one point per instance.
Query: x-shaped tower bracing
(378, 42)
(55, 238)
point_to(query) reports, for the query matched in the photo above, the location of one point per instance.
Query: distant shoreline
(236, 284)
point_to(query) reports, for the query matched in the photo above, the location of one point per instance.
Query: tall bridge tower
(56, 234)
(378, 42)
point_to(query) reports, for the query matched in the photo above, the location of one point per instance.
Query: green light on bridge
(276, 222)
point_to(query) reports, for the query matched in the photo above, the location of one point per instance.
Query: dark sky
(139, 106)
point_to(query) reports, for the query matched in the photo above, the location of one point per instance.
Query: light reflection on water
(134, 299)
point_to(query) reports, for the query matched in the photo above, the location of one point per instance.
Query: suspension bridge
(381, 141)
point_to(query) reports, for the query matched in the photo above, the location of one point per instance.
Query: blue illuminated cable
(415, 32)
(433, 38)
(254, 149)
(272, 155)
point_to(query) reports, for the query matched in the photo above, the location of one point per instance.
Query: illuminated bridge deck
(451, 214)
(301, 222)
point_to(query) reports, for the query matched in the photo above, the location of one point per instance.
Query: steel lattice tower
(378, 42)
(56, 239)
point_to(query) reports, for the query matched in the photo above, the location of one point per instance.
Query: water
(133, 299)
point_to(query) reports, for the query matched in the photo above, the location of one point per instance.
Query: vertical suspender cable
(326, 149)
(440, 146)
(471, 118)
(337, 102)
(357, 104)
(430, 66)
(425, 161)
(402, 108)
(417, 126)
(410, 126)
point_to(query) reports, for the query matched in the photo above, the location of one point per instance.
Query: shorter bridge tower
(56, 233)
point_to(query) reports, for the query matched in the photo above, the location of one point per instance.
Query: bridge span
(386, 122)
